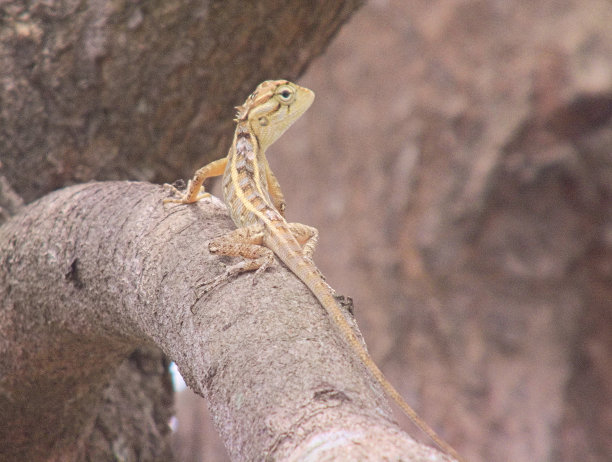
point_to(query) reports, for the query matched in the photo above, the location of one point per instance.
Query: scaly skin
(256, 204)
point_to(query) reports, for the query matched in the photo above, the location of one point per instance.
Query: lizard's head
(273, 107)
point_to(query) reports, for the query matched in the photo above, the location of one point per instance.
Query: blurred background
(457, 162)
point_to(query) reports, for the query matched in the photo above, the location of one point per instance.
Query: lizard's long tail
(311, 277)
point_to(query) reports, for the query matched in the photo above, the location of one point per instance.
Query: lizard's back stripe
(246, 189)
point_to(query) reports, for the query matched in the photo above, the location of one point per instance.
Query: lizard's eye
(285, 94)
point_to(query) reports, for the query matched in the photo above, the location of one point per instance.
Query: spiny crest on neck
(262, 93)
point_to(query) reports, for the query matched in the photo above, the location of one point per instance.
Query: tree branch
(92, 272)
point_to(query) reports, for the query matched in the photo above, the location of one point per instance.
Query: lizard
(257, 207)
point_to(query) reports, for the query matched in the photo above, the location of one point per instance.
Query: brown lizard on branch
(256, 204)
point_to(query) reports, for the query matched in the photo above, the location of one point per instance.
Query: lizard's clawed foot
(346, 302)
(205, 288)
(230, 273)
(183, 196)
(264, 267)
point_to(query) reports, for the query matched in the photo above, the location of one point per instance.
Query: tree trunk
(93, 272)
(139, 90)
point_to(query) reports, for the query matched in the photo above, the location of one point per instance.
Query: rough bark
(94, 271)
(140, 90)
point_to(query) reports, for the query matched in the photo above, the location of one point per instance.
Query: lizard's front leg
(192, 193)
(242, 242)
(275, 192)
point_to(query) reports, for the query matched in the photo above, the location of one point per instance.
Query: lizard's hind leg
(307, 236)
(242, 242)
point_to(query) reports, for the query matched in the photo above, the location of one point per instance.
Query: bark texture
(94, 271)
(140, 90)
(456, 162)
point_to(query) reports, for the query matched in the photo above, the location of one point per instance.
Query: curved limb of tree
(116, 90)
(93, 272)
